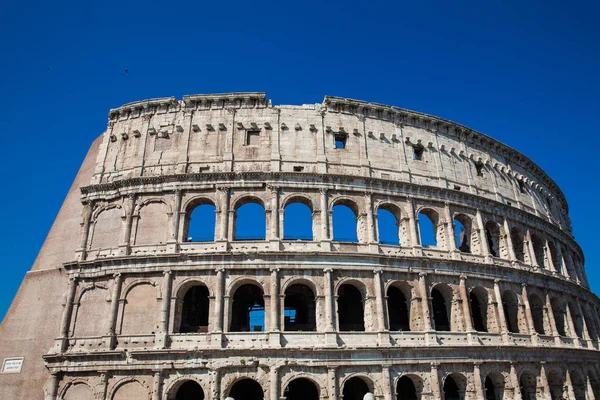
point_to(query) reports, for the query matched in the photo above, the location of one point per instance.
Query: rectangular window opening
(521, 186)
(298, 168)
(252, 138)
(340, 140)
(456, 187)
(418, 153)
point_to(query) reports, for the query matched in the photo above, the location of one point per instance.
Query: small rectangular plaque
(12, 365)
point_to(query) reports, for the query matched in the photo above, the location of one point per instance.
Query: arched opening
(537, 313)
(569, 264)
(398, 310)
(557, 385)
(195, 310)
(440, 307)
(479, 299)
(510, 303)
(106, 227)
(559, 316)
(579, 385)
(250, 222)
(246, 389)
(355, 389)
(594, 384)
(428, 221)
(152, 223)
(248, 309)
(577, 320)
(555, 257)
(344, 221)
(299, 308)
(297, 222)
(405, 389)
(492, 234)
(387, 225)
(538, 250)
(350, 309)
(518, 244)
(200, 225)
(462, 232)
(78, 391)
(528, 386)
(451, 390)
(301, 389)
(494, 386)
(189, 390)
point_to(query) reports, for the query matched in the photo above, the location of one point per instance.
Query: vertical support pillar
(514, 378)
(544, 381)
(66, 317)
(156, 395)
(511, 246)
(450, 229)
(54, 381)
(532, 256)
(435, 382)
(126, 238)
(324, 213)
(216, 337)
(562, 262)
(321, 140)
(274, 383)
(551, 267)
(163, 334)
(500, 309)
(552, 320)
(477, 381)
(228, 154)
(330, 334)
(114, 310)
(223, 214)
(85, 231)
(275, 140)
(528, 315)
(174, 236)
(388, 391)
(380, 298)
(485, 246)
(274, 335)
(414, 238)
(569, 385)
(274, 228)
(468, 323)
(332, 383)
(571, 324)
(428, 327)
(215, 384)
(589, 390)
(371, 233)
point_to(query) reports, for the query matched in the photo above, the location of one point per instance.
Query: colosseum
(452, 272)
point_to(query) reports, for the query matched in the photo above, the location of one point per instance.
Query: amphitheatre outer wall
(116, 265)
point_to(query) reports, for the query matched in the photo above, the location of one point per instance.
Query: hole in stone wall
(350, 309)
(248, 309)
(299, 308)
(398, 310)
(194, 313)
(297, 222)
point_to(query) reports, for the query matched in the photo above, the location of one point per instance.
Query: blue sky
(524, 72)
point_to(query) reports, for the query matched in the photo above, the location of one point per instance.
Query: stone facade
(501, 311)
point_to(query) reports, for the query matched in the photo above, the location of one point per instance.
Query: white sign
(12, 365)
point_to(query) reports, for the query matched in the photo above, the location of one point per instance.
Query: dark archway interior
(527, 384)
(537, 313)
(451, 389)
(490, 392)
(299, 305)
(248, 299)
(301, 389)
(398, 310)
(190, 390)
(440, 313)
(194, 314)
(350, 309)
(511, 311)
(355, 389)
(405, 388)
(246, 389)
(477, 311)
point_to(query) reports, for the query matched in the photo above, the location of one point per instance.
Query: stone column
(324, 216)
(514, 378)
(552, 320)
(332, 383)
(274, 304)
(126, 238)
(274, 235)
(532, 256)
(511, 246)
(468, 323)
(571, 323)
(163, 334)
(477, 381)
(217, 335)
(415, 242)
(114, 309)
(544, 381)
(330, 332)
(589, 390)
(85, 230)
(66, 317)
(54, 381)
(386, 383)
(563, 266)
(427, 322)
(528, 316)
(569, 385)
(215, 383)
(485, 246)
(156, 395)
(176, 217)
(274, 383)
(500, 308)
(450, 228)
(224, 213)
(435, 381)
(380, 299)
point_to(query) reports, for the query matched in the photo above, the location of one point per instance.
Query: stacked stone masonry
(501, 311)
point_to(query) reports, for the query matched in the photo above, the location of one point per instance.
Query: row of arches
(451, 229)
(486, 310)
(495, 385)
